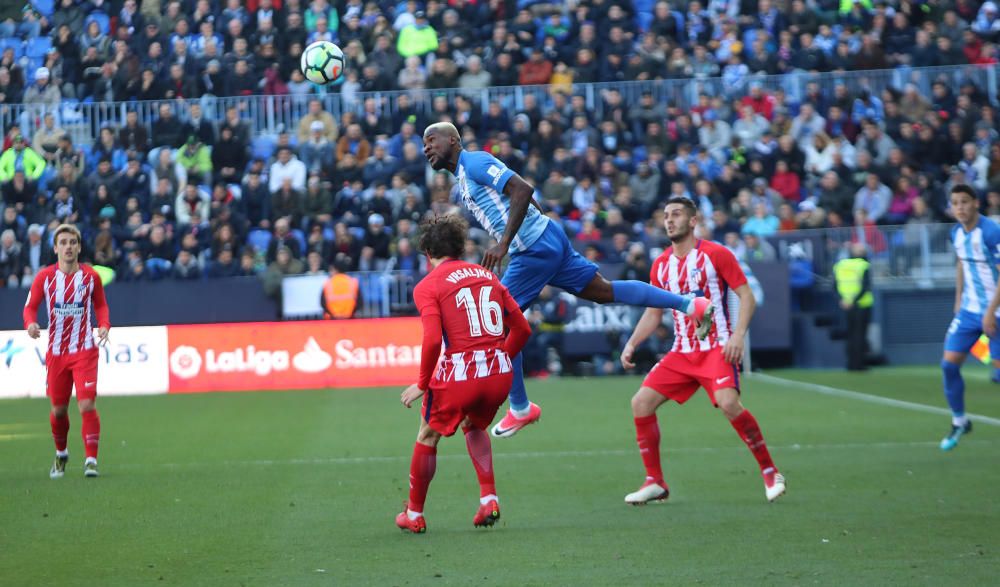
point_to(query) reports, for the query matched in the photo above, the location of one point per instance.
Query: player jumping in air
(977, 244)
(468, 306)
(69, 290)
(693, 265)
(540, 252)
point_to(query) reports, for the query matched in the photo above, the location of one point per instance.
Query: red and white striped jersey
(70, 299)
(467, 307)
(468, 365)
(709, 270)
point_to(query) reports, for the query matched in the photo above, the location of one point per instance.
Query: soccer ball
(322, 62)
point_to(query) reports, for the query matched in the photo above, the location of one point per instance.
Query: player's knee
(60, 411)
(642, 405)
(427, 435)
(86, 405)
(950, 369)
(730, 404)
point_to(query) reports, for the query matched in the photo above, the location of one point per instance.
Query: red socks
(478, 443)
(647, 434)
(91, 430)
(60, 428)
(422, 468)
(746, 426)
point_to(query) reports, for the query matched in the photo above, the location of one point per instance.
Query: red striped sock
(91, 430)
(422, 468)
(647, 434)
(478, 443)
(746, 426)
(60, 429)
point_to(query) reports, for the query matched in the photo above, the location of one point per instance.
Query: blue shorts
(551, 260)
(964, 331)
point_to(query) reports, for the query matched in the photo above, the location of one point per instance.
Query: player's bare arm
(647, 325)
(411, 394)
(34, 330)
(520, 194)
(733, 351)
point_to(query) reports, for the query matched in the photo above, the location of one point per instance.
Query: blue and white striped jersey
(481, 179)
(979, 252)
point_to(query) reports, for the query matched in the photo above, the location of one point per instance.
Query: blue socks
(518, 394)
(637, 293)
(954, 388)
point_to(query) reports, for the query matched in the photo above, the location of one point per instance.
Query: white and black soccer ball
(322, 62)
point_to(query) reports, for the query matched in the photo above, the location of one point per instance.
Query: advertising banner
(133, 363)
(294, 355)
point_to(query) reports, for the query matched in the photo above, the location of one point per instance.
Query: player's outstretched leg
(481, 453)
(749, 431)
(91, 432)
(522, 412)
(954, 392)
(647, 435)
(59, 421)
(637, 293)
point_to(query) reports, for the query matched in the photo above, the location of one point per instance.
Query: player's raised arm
(30, 314)
(521, 196)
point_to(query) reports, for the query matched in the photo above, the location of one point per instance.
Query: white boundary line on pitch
(873, 399)
(536, 455)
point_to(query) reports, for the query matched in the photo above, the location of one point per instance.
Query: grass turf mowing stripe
(533, 455)
(874, 399)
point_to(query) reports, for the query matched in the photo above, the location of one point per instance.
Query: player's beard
(680, 233)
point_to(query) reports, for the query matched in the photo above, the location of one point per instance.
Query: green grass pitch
(300, 488)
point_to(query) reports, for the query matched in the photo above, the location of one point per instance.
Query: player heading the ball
(540, 252)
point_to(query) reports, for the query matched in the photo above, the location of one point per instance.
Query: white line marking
(631, 452)
(874, 399)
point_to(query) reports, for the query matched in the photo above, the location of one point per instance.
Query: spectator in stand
(874, 198)
(21, 157)
(287, 166)
(42, 93)
(317, 151)
(283, 239)
(196, 160)
(353, 142)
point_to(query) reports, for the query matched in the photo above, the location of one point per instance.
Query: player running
(694, 265)
(70, 290)
(540, 253)
(977, 244)
(468, 306)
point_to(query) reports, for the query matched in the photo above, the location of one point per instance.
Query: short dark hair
(688, 204)
(443, 236)
(961, 188)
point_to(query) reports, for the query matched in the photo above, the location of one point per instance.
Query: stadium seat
(262, 147)
(16, 44)
(38, 47)
(44, 7)
(301, 237)
(101, 19)
(259, 239)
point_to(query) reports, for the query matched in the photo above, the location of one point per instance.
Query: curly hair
(443, 236)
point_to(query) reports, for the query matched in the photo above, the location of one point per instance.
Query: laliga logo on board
(185, 362)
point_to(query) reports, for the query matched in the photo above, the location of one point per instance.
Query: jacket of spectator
(417, 39)
(329, 126)
(12, 159)
(290, 168)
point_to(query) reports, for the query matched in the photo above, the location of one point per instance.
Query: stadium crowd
(184, 197)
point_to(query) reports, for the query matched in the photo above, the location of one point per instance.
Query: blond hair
(67, 228)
